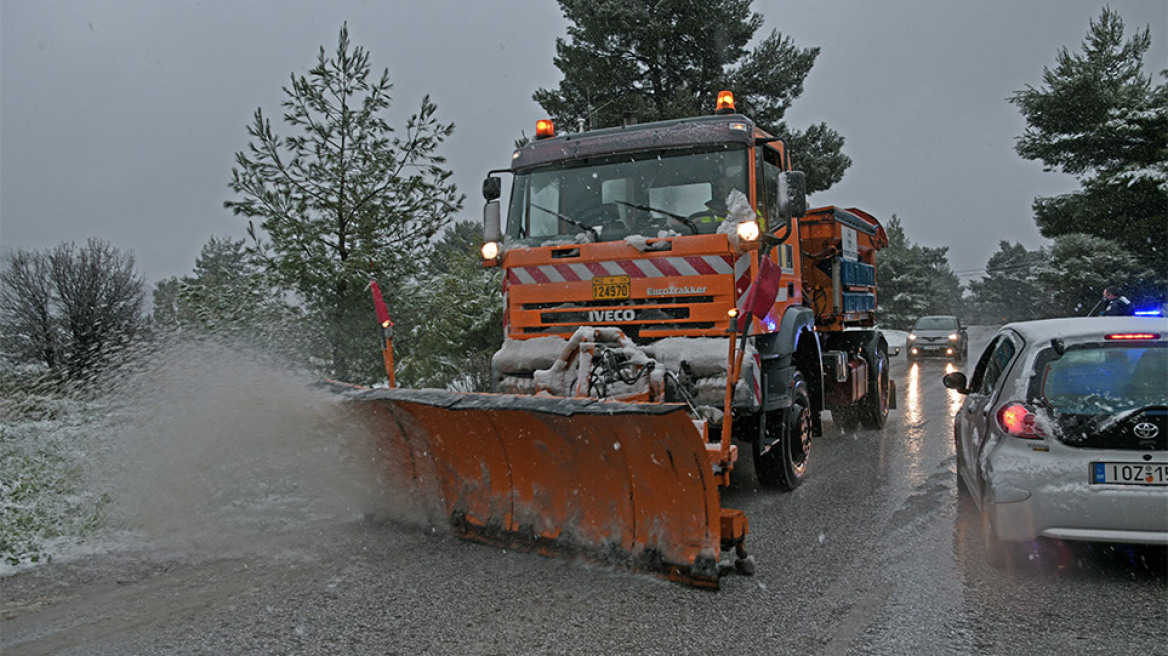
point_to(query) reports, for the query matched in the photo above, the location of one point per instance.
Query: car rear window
(936, 323)
(1104, 378)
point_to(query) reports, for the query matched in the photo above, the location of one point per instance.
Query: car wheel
(784, 463)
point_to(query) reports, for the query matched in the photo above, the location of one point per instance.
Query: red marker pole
(386, 329)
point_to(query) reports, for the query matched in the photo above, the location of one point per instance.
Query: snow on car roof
(1087, 327)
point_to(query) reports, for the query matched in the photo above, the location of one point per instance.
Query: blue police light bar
(1149, 313)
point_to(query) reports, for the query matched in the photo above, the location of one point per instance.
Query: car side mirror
(956, 381)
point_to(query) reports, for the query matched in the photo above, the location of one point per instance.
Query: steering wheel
(600, 215)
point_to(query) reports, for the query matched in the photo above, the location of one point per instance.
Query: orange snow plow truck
(667, 293)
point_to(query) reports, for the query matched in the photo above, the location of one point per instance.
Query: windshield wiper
(646, 208)
(591, 230)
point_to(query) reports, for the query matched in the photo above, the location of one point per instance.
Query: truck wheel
(874, 411)
(787, 442)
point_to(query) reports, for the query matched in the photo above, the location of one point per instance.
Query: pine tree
(913, 280)
(344, 198)
(661, 59)
(1010, 290)
(1098, 117)
(452, 321)
(228, 295)
(1078, 269)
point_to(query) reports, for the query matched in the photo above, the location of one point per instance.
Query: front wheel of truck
(780, 456)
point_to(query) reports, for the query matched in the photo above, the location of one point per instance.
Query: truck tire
(787, 442)
(874, 408)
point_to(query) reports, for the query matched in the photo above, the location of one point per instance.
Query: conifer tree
(661, 59)
(1098, 117)
(344, 197)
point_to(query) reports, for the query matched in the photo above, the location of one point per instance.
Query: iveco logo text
(674, 291)
(611, 315)
(1146, 430)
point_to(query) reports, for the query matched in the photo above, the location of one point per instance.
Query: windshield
(641, 193)
(936, 323)
(1105, 379)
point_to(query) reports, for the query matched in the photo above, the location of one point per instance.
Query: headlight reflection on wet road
(955, 397)
(912, 396)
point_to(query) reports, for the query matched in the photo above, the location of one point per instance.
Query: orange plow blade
(627, 484)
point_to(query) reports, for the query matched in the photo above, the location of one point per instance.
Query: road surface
(874, 554)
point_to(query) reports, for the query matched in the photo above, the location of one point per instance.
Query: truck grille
(633, 316)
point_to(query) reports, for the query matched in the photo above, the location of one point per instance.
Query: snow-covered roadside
(46, 506)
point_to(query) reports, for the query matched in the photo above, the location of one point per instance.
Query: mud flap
(628, 484)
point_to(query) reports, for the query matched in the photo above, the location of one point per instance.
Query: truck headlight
(490, 250)
(748, 230)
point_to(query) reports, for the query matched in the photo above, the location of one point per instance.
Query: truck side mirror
(492, 188)
(792, 194)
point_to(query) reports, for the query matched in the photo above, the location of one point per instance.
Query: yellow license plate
(608, 288)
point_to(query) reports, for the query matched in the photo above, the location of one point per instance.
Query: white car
(1063, 433)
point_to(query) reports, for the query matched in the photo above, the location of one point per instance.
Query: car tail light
(1018, 421)
(1131, 336)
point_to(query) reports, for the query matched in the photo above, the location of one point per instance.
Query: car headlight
(912, 338)
(748, 230)
(954, 337)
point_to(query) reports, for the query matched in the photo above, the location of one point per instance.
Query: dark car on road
(1063, 433)
(937, 336)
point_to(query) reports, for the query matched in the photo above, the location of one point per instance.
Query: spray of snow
(219, 451)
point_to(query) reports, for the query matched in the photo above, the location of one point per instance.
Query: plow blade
(622, 483)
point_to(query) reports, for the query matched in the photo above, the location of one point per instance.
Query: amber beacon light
(725, 102)
(544, 128)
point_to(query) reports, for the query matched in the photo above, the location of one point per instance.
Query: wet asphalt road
(872, 555)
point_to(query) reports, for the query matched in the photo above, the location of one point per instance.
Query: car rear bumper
(1137, 516)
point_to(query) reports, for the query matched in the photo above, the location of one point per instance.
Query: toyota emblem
(1146, 430)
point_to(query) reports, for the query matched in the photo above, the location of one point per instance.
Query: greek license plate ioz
(1129, 473)
(607, 288)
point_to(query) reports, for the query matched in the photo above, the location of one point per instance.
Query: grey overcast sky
(119, 119)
